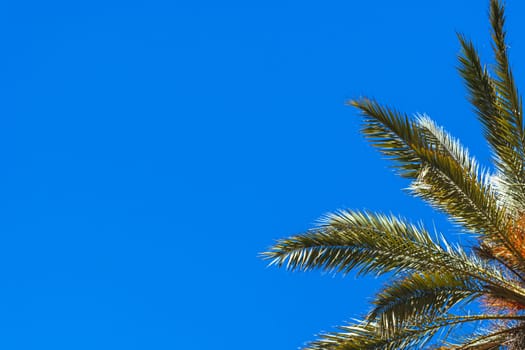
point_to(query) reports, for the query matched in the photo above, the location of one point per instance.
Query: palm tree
(433, 280)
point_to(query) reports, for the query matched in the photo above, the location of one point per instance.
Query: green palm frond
(424, 149)
(376, 243)
(394, 134)
(367, 241)
(367, 335)
(488, 340)
(442, 275)
(509, 100)
(499, 108)
(442, 170)
(422, 295)
(511, 106)
(482, 94)
(449, 145)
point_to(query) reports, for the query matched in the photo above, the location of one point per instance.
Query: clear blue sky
(151, 149)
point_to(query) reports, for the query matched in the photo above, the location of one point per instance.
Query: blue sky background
(151, 150)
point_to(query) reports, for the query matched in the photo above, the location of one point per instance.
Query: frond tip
(347, 240)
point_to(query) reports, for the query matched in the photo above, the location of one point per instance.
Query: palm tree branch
(450, 146)
(505, 86)
(421, 295)
(443, 174)
(500, 117)
(378, 243)
(511, 107)
(437, 189)
(368, 336)
(447, 144)
(487, 341)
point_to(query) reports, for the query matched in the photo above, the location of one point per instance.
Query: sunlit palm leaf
(421, 296)
(379, 244)
(367, 335)
(511, 161)
(444, 174)
(499, 108)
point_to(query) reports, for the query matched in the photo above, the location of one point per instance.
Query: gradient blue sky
(151, 150)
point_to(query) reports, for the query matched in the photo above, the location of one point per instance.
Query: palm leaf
(444, 174)
(491, 339)
(376, 243)
(422, 295)
(499, 108)
(368, 336)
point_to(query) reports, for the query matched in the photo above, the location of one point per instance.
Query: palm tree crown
(430, 276)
